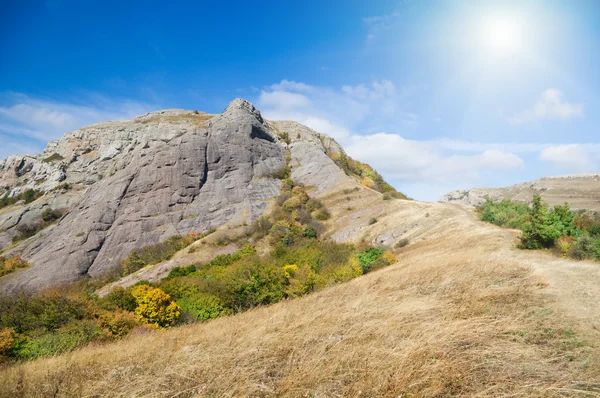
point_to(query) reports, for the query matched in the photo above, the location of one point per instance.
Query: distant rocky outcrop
(579, 190)
(124, 185)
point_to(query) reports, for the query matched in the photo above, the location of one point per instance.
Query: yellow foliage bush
(292, 203)
(389, 257)
(368, 182)
(290, 270)
(8, 265)
(300, 194)
(155, 307)
(117, 323)
(564, 244)
(300, 280)
(7, 339)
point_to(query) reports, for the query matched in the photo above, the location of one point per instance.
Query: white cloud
(549, 106)
(335, 112)
(41, 120)
(377, 90)
(412, 160)
(342, 113)
(283, 100)
(574, 157)
(378, 23)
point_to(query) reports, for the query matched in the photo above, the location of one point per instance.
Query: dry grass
(462, 313)
(198, 119)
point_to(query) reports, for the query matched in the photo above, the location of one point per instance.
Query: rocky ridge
(124, 185)
(579, 190)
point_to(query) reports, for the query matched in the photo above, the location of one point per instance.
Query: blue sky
(437, 95)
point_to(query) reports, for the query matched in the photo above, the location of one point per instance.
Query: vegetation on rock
(28, 196)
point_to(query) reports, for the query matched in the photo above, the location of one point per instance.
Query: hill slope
(124, 185)
(462, 313)
(579, 190)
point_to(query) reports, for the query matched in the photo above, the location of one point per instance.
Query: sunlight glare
(500, 35)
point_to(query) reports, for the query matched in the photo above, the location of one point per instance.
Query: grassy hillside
(463, 312)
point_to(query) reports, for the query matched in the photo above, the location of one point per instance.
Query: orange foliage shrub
(7, 340)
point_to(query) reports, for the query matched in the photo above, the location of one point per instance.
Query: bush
(179, 288)
(372, 221)
(50, 215)
(563, 244)
(584, 248)
(25, 312)
(504, 213)
(155, 307)
(201, 307)
(368, 257)
(28, 196)
(323, 215)
(402, 243)
(313, 204)
(292, 203)
(7, 340)
(546, 225)
(181, 271)
(252, 283)
(63, 340)
(309, 232)
(299, 280)
(11, 264)
(119, 298)
(118, 323)
(157, 253)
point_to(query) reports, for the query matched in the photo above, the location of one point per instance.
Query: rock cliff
(123, 185)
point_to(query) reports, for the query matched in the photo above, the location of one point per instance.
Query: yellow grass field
(462, 313)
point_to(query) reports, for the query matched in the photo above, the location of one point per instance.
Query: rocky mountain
(122, 185)
(579, 190)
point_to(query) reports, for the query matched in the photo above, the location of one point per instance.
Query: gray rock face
(310, 163)
(136, 183)
(159, 175)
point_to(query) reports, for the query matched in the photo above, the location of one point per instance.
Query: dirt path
(573, 285)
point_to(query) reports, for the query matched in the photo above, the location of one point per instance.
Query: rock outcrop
(124, 185)
(579, 190)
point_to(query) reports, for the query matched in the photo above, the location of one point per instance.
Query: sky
(436, 95)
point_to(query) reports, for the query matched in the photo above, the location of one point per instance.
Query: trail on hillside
(573, 285)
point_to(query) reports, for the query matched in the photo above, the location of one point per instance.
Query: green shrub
(119, 298)
(309, 232)
(372, 221)
(368, 257)
(28, 196)
(50, 215)
(546, 225)
(25, 312)
(323, 215)
(157, 253)
(179, 288)
(201, 307)
(584, 248)
(504, 213)
(52, 343)
(254, 283)
(181, 271)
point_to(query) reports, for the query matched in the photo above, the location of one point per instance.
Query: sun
(500, 34)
